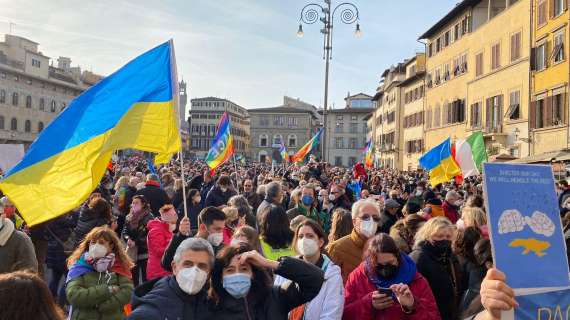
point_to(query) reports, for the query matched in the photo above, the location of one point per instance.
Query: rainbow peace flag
(222, 146)
(440, 163)
(368, 155)
(134, 108)
(310, 145)
(283, 152)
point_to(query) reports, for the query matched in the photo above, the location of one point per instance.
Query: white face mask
(331, 197)
(191, 280)
(236, 242)
(97, 251)
(215, 238)
(307, 247)
(368, 227)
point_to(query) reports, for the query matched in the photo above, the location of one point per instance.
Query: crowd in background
(254, 241)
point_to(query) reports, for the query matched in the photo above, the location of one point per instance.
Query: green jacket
(90, 298)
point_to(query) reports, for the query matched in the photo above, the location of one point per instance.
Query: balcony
(495, 134)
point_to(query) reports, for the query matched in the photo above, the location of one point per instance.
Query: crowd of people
(252, 241)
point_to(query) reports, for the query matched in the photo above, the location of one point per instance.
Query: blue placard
(525, 225)
(544, 306)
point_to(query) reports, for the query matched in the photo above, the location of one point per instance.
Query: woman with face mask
(241, 287)
(437, 263)
(135, 232)
(387, 285)
(309, 242)
(99, 284)
(160, 231)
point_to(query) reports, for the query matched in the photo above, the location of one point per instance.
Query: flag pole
(236, 171)
(176, 97)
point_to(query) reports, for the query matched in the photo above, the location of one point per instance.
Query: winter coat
(163, 299)
(450, 211)
(216, 197)
(278, 301)
(16, 250)
(472, 277)
(443, 276)
(328, 304)
(155, 196)
(387, 220)
(346, 252)
(138, 235)
(158, 238)
(61, 228)
(254, 200)
(193, 212)
(358, 300)
(90, 298)
(86, 222)
(177, 198)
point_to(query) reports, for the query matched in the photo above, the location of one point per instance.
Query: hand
(130, 243)
(184, 227)
(257, 260)
(496, 296)
(381, 301)
(404, 295)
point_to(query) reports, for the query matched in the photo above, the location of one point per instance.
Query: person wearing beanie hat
(160, 232)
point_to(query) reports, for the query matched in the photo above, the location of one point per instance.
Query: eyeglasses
(367, 217)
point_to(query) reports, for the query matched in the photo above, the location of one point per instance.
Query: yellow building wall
(554, 76)
(411, 161)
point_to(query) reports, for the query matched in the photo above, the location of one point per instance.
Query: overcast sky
(243, 50)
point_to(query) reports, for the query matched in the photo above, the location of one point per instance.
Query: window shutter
(488, 113)
(551, 8)
(513, 45)
(548, 106)
(532, 114)
(532, 59)
(564, 5)
(564, 112)
(500, 120)
(546, 53)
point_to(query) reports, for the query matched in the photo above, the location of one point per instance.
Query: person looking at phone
(387, 285)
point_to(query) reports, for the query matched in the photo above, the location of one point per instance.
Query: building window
(513, 113)
(351, 161)
(558, 52)
(1, 123)
(558, 7)
(292, 140)
(339, 117)
(475, 119)
(2, 96)
(277, 139)
(338, 161)
(52, 106)
(352, 143)
(437, 117)
(541, 14)
(515, 46)
(557, 109)
(339, 127)
(14, 124)
(28, 126)
(353, 127)
(36, 63)
(496, 56)
(540, 55)
(15, 99)
(479, 64)
(40, 126)
(292, 122)
(278, 120)
(539, 113)
(494, 113)
(28, 102)
(339, 143)
(264, 121)
(353, 118)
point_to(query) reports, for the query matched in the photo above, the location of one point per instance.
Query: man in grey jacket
(16, 248)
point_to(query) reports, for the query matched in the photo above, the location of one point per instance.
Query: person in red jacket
(386, 285)
(159, 235)
(451, 206)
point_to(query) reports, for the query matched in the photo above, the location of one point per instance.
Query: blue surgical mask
(307, 200)
(237, 285)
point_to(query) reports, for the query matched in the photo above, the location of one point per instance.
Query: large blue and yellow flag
(222, 146)
(440, 163)
(135, 107)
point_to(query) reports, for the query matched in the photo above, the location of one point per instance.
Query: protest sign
(552, 305)
(525, 225)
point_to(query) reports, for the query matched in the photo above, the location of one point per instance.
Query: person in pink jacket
(159, 235)
(387, 286)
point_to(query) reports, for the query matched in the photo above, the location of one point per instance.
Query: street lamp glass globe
(300, 32)
(358, 32)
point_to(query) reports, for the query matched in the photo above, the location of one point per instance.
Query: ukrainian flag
(441, 165)
(135, 107)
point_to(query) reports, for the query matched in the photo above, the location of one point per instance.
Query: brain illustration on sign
(512, 220)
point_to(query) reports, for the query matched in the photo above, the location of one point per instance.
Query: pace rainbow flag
(310, 145)
(222, 146)
(134, 108)
(368, 160)
(283, 152)
(440, 163)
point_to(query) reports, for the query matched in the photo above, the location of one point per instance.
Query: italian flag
(470, 154)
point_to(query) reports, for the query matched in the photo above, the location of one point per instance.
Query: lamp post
(314, 12)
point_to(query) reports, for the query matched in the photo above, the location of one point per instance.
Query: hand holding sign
(496, 296)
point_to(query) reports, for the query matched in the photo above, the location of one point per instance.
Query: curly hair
(109, 236)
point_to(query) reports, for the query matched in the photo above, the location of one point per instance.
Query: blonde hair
(473, 217)
(122, 182)
(231, 213)
(295, 196)
(431, 227)
(177, 184)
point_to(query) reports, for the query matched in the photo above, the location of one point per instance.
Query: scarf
(406, 273)
(133, 218)
(85, 265)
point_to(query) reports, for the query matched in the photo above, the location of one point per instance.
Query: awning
(547, 157)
